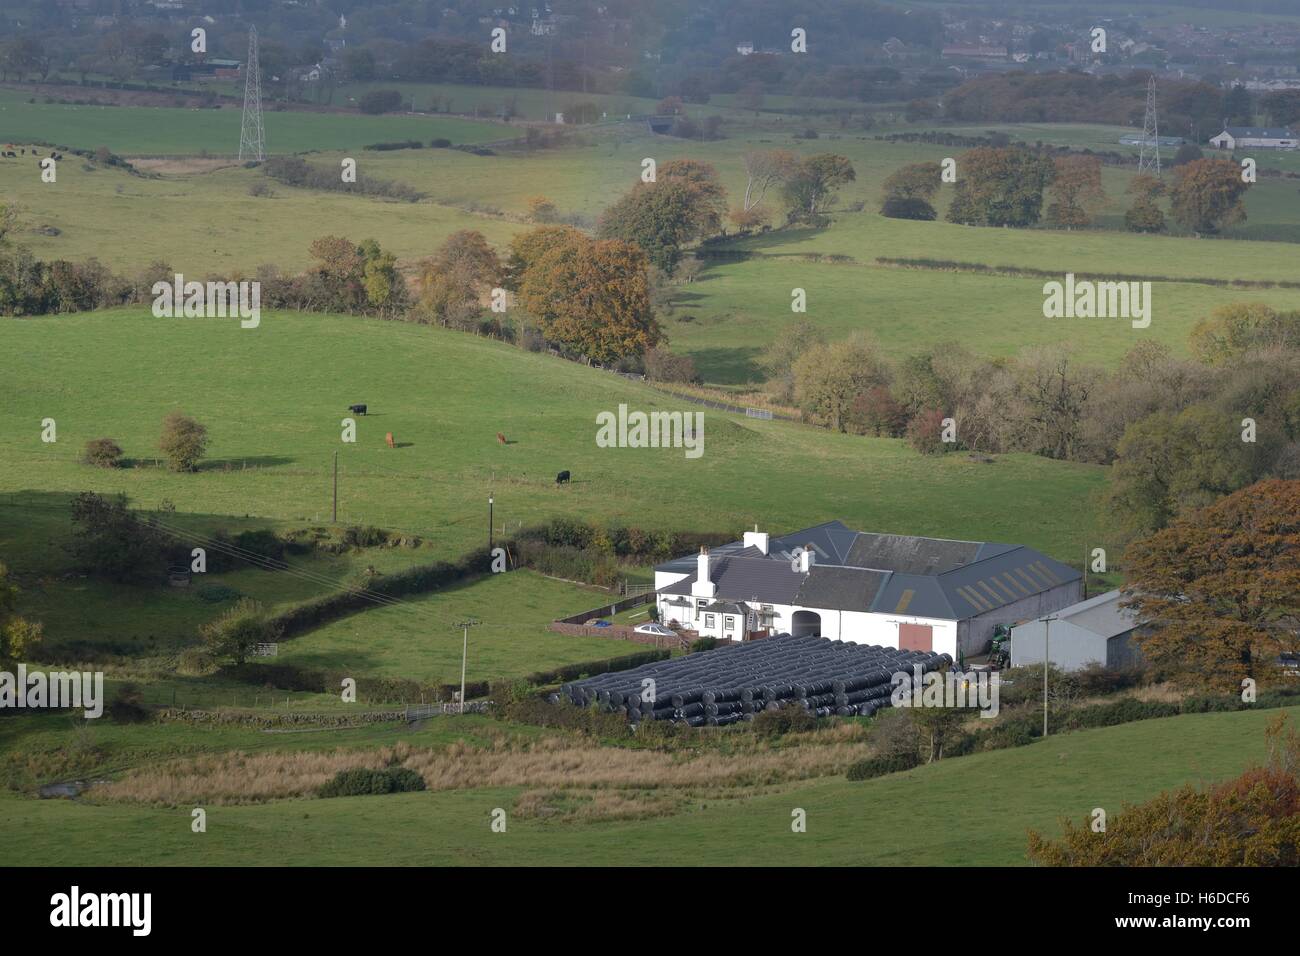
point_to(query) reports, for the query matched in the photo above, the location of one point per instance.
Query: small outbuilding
(1095, 631)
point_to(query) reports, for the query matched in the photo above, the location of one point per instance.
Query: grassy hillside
(273, 398)
(963, 812)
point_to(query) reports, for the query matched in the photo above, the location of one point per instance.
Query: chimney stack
(807, 558)
(703, 586)
(757, 539)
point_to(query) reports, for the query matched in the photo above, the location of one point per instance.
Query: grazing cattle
(501, 439)
(357, 409)
(562, 477)
(389, 438)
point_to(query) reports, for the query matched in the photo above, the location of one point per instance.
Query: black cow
(357, 409)
(562, 477)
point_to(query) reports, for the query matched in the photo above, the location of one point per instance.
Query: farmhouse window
(708, 620)
(729, 622)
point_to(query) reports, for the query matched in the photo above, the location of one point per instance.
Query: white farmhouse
(1260, 137)
(892, 590)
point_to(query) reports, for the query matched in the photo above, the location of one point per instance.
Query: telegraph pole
(489, 525)
(1047, 635)
(336, 488)
(464, 625)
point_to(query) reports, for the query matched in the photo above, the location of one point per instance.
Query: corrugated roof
(1101, 614)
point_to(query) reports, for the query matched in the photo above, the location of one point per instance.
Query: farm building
(1238, 137)
(925, 594)
(1095, 631)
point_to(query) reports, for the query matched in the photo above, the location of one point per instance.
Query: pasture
(173, 131)
(958, 812)
(273, 399)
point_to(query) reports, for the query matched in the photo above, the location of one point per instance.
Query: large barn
(928, 594)
(1242, 137)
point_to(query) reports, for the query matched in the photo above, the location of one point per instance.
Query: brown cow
(501, 438)
(389, 438)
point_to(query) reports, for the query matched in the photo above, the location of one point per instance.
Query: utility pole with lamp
(464, 625)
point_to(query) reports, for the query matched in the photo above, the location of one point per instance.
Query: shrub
(183, 441)
(380, 101)
(792, 719)
(440, 143)
(662, 365)
(703, 644)
(128, 706)
(879, 766)
(907, 208)
(363, 782)
(196, 662)
(102, 453)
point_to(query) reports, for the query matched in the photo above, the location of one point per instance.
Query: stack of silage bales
(730, 684)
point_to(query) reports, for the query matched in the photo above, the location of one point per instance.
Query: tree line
(1171, 429)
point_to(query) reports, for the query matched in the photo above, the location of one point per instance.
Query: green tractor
(1000, 653)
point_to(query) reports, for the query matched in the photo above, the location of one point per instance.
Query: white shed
(1096, 631)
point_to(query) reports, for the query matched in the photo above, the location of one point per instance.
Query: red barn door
(916, 637)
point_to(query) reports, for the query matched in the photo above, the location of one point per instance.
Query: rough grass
(552, 762)
(963, 812)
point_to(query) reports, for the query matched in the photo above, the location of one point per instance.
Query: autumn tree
(593, 298)
(1000, 186)
(784, 351)
(541, 209)
(1251, 820)
(1207, 195)
(356, 278)
(453, 279)
(910, 191)
(1220, 588)
(810, 187)
(526, 248)
(1075, 187)
(685, 202)
(1145, 215)
(183, 441)
(1234, 329)
(828, 378)
(19, 637)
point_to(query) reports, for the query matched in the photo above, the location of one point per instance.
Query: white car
(658, 630)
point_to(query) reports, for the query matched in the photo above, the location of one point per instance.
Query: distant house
(891, 590)
(745, 47)
(1261, 137)
(204, 70)
(979, 52)
(1137, 139)
(1095, 631)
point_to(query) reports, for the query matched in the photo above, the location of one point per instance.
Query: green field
(420, 640)
(967, 811)
(168, 131)
(273, 398)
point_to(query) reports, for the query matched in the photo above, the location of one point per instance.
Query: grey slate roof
(1260, 132)
(840, 589)
(740, 579)
(882, 573)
